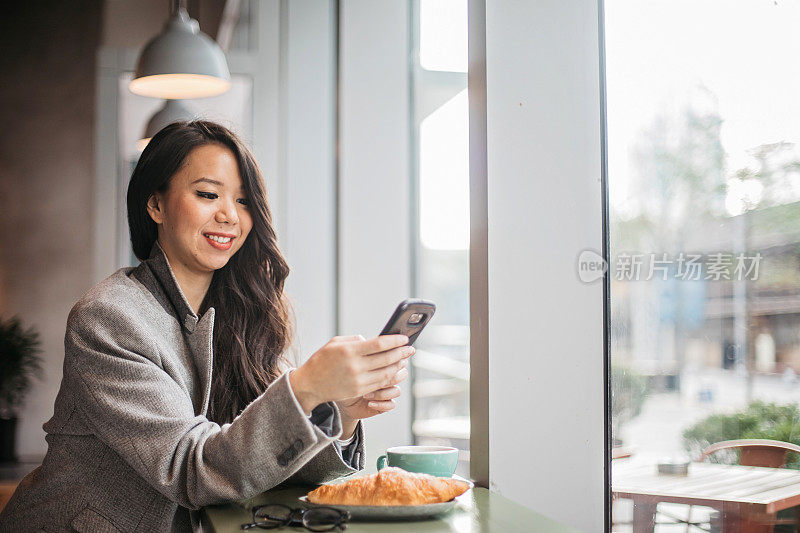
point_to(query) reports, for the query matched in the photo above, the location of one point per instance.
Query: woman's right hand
(347, 367)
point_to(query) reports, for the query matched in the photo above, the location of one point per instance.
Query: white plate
(390, 512)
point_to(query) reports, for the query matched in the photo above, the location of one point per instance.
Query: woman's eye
(243, 201)
(207, 195)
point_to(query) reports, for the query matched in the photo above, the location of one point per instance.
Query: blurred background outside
(704, 178)
(440, 151)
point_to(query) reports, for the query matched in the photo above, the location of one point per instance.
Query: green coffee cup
(439, 461)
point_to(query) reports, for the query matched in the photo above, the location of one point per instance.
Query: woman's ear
(154, 208)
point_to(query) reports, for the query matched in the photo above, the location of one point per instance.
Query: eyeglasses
(275, 515)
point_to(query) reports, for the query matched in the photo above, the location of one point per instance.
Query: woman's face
(202, 217)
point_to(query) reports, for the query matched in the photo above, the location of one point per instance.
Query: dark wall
(47, 100)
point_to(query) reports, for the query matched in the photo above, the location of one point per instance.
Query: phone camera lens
(415, 318)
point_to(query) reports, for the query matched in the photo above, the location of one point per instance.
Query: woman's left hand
(370, 404)
(380, 401)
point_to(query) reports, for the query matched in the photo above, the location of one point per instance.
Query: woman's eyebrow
(208, 180)
(213, 182)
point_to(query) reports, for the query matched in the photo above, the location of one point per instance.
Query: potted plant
(759, 420)
(628, 393)
(19, 363)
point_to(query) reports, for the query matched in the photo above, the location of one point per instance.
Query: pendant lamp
(181, 61)
(171, 111)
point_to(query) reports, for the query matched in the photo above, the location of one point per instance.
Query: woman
(174, 395)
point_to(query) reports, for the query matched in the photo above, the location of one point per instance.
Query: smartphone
(410, 318)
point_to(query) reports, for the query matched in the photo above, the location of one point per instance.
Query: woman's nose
(227, 213)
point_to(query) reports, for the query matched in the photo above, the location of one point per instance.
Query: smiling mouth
(219, 241)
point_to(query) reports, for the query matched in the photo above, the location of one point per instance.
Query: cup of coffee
(439, 461)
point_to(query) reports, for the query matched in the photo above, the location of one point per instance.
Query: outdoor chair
(618, 452)
(754, 452)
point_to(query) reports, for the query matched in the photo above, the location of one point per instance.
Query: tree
(761, 189)
(677, 182)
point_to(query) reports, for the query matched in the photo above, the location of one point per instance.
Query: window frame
(566, 149)
(425, 85)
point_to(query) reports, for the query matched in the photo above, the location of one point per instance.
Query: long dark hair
(252, 326)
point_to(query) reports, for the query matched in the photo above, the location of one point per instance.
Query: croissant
(390, 486)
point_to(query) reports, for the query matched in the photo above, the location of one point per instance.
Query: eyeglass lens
(323, 519)
(272, 516)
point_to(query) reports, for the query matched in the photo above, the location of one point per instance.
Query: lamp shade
(171, 111)
(181, 62)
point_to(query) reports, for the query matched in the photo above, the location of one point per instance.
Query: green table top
(478, 510)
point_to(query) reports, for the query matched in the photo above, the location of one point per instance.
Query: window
(704, 179)
(441, 243)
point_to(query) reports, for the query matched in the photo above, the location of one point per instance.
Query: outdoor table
(478, 510)
(746, 495)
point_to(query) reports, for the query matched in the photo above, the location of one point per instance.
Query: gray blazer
(129, 446)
